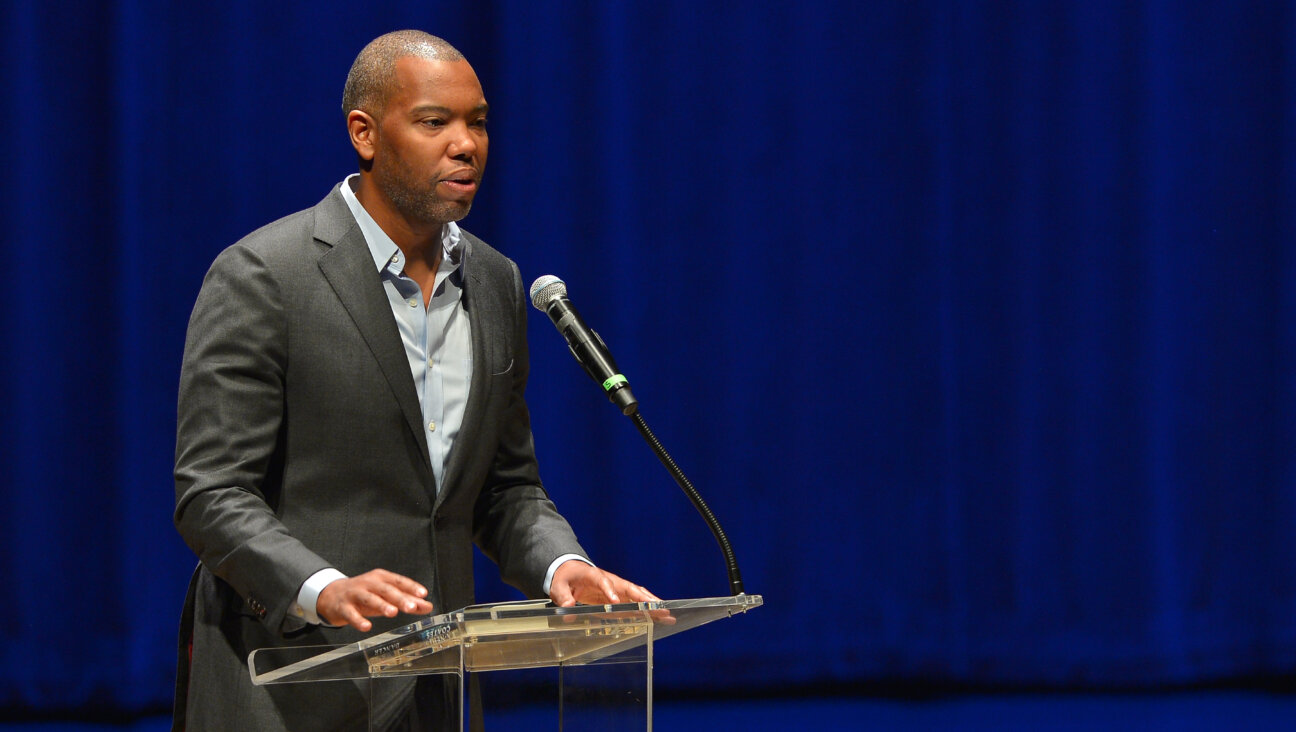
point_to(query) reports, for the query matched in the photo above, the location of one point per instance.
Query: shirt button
(412, 302)
(395, 258)
(432, 426)
(431, 363)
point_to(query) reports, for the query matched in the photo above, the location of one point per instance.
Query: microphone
(549, 296)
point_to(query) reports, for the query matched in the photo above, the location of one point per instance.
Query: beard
(415, 197)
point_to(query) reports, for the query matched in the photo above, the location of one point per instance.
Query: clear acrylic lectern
(519, 635)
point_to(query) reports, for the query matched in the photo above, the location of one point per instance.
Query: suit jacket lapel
(349, 268)
(481, 302)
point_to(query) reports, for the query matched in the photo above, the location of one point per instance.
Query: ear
(363, 130)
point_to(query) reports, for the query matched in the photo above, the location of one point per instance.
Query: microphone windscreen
(545, 289)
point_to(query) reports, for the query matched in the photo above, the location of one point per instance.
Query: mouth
(461, 181)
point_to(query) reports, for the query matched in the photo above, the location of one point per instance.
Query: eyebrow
(425, 108)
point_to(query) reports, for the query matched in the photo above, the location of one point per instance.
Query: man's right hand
(350, 600)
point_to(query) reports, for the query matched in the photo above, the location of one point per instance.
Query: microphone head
(545, 290)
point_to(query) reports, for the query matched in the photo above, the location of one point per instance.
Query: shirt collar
(386, 255)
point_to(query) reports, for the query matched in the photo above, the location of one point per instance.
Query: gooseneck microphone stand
(731, 562)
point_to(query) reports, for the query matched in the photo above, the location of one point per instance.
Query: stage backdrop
(975, 321)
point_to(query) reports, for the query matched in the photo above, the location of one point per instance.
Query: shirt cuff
(308, 596)
(558, 563)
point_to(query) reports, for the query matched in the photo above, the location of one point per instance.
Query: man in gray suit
(351, 417)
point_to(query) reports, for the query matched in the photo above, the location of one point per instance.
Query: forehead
(421, 81)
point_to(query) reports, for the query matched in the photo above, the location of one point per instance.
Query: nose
(464, 144)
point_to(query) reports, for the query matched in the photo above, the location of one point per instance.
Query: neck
(418, 240)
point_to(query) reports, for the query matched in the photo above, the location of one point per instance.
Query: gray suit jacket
(301, 446)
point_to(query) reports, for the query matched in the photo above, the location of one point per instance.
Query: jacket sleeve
(229, 437)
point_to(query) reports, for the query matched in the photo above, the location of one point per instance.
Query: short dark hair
(369, 83)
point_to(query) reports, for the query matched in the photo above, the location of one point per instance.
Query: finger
(403, 583)
(560, 593)
(605, 584)
(407, 602)
(638, 593)
(370, 602)
(419, 606)
(398, 598)
(353, 617)
(413, 605)
(406, 594)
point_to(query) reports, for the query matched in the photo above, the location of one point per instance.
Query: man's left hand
(575, 581)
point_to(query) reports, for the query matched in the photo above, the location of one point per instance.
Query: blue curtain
(975, 322)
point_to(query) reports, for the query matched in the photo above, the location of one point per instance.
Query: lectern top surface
(528, 633)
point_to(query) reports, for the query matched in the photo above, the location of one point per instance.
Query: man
(351, 417)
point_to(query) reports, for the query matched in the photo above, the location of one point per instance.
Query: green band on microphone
(616, 380)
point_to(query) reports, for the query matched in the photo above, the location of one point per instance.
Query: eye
(433, 122)
(480, 123)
